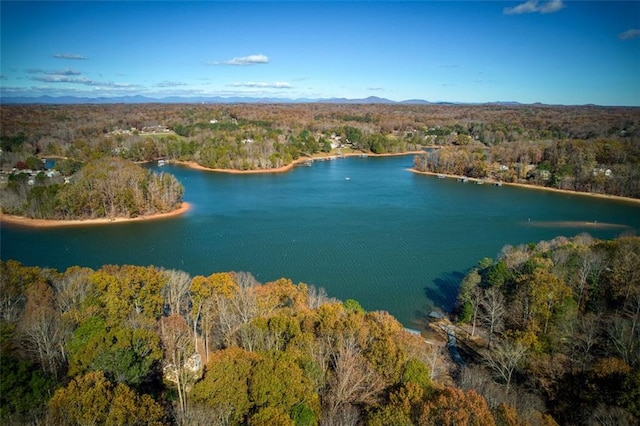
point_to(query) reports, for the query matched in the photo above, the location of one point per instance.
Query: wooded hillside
(107, 187)
(557, 324)
(145, 345)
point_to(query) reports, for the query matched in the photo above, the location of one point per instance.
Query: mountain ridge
(140, 99)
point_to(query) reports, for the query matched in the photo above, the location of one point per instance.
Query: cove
(362, 228)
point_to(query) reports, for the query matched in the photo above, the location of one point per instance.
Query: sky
(549, 51)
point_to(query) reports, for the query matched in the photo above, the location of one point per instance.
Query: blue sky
(549, 51)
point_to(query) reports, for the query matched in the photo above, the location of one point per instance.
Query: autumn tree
(453, 406)
(224, 389)
(129, 294)
(92, 400)
(279, 388)
(207, 294)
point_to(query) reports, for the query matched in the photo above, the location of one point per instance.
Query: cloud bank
(170, 84)
(53, 72)
(244, 60)
(532, 6)
(72, 56)
(264, 85)
(80, 80)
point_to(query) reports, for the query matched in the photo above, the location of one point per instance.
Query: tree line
(146, 345)
(603, 166)
(557, 325)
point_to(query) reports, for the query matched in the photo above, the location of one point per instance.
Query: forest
(582, 148)
(549, 332)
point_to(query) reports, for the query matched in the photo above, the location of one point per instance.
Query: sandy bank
(47, 223)
(286, 168)
(196, 166)
(541, 188)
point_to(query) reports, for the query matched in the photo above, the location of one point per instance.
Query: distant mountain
(416, 102)
(369, 100)
(201, 99)
(139, 99)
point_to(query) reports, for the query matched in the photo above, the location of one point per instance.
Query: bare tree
(178, 347)
(435, 361)
(352, 381)
(244, 300)
(493, 310)
(317, 297)
(624, 339)
(604, 415)
(176, 290)
(71, 290)
(590, 264)
(504, 358)
(41, 331)
(585, 338)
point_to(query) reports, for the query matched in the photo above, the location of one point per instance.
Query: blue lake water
(362, 228)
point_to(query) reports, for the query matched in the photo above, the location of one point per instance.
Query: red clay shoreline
(540, 188)
(286, 168)
(49, 223)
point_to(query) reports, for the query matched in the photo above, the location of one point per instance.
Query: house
(601, 171)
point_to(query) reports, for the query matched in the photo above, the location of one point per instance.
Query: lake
(362, 228)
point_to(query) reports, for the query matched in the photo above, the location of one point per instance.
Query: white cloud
(532, 6)
(68, 56)
(633, 33)
(170, 84)
(244, 60)
(264, 85)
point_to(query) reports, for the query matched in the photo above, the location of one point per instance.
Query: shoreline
(537, 187)
(290, 166)
(52, 223)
